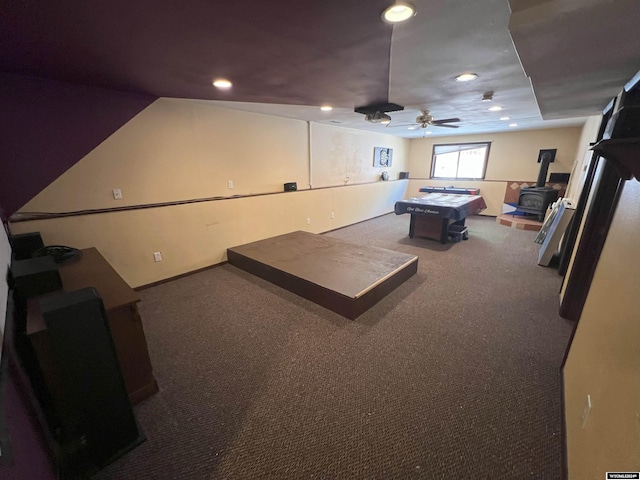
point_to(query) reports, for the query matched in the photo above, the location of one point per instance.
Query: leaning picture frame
(555, 226)
(382, 156)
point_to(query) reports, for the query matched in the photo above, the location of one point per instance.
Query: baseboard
(176, 277)
(563, 431)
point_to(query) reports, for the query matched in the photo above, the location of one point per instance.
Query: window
(460, 160)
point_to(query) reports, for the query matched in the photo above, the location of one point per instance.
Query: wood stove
(536, 200)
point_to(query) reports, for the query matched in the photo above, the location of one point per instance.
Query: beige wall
(194, 236)
(181, 150)
(583, 156)
(513, 156)
(342, 156)
(604, 360)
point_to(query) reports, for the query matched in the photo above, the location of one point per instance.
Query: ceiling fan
(426, 119)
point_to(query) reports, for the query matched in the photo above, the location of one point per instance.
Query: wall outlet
(308, 221)
(230, 184)
(157, 256)
(117, 194)
(333, 215)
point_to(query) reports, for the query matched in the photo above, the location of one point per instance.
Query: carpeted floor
(455, 374)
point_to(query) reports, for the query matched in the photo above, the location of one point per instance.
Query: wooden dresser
(120, 303)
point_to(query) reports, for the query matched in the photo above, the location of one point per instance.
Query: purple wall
(30, 456)
(47, 126)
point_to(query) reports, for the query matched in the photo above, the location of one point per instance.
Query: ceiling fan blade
(391, 124)
(443, 125)
(446, 120)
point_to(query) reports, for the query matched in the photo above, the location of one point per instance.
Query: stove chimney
(545, 157)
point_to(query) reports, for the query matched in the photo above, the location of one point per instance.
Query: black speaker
(35, 276)
(98, 424)
(24, 244)
(290, 187)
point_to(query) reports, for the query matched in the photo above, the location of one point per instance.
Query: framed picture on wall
(382, 156)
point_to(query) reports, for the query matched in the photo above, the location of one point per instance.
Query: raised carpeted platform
(343, 277)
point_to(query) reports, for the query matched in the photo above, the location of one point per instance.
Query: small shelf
(624, 153)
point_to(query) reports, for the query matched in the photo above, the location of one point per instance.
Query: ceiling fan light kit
(398, 12)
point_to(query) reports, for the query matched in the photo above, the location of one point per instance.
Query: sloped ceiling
(289, 52)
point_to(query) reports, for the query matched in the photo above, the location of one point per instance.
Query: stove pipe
(545, 158)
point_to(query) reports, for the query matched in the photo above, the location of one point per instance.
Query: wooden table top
(89, 270)
(92, 270)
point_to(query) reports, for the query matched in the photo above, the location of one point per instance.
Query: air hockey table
(435, 214)
(461, 191)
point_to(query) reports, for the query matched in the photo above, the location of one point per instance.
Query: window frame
(433, 160)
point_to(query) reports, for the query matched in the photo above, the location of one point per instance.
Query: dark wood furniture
(120, 303)
(341, 276)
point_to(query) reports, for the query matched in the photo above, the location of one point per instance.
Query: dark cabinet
(120, 304)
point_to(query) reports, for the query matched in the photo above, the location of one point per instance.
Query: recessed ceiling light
(495, 108)
(505, 118)
(428, 132)
(326, 108)
(399, 12)
(222, 83)
(513, 124)
(413, 127)
(466, 77)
